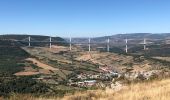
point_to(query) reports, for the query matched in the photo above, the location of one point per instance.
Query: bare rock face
(145, 75)
(117, 83)
(116, 86)
(150, 74)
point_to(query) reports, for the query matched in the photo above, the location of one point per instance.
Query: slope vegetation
(156, 90)
(15, 56)
(153, 90)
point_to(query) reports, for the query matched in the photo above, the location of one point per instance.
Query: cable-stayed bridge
(90, 42)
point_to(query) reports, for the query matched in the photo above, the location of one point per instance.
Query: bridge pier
(126, 49)
(29, 41)
(89, 45)
(70, 44)
(108, 47)
(144, 44)
(50, 42)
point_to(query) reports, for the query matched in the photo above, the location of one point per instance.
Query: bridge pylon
(29, 41)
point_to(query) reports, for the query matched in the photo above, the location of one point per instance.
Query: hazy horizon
(84, 36)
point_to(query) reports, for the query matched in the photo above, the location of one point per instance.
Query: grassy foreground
(155, 90)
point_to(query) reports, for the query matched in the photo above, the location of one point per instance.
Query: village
(89, 80)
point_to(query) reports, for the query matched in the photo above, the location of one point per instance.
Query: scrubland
(152, 90)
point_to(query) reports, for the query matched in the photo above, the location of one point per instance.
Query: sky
(84, 18)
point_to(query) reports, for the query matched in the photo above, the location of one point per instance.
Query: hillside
(121, 37)
(156, 44)
(36, 40)
(153, 90)
(11, 59)
(60, 71)
(136, 36)
(21, 37)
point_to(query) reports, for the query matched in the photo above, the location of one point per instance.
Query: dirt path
(40, 64)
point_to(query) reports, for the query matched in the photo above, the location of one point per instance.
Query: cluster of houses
(84, 79)
(88, 80)
(85, 83)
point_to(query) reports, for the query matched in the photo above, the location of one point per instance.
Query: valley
(60, 71)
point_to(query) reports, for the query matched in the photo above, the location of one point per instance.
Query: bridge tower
(108, 47)
(89, 45)
(29, 41)
(144, 44)
(126, 49)
(70, 43)
(50, 42)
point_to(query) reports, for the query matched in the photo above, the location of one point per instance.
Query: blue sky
(81, 18)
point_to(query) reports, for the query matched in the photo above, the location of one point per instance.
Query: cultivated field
(26, 73)
(40, 64)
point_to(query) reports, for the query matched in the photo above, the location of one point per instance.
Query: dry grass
(156, 90)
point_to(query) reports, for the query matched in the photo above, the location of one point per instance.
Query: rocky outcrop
(116, 86)
(119, 82)
(144, 75)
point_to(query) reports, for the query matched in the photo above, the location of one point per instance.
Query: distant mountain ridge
(137, 36)
(116, 37)
(21, 40)
(121, 37)
(21, 37)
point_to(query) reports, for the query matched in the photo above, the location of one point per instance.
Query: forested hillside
(12, 61)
